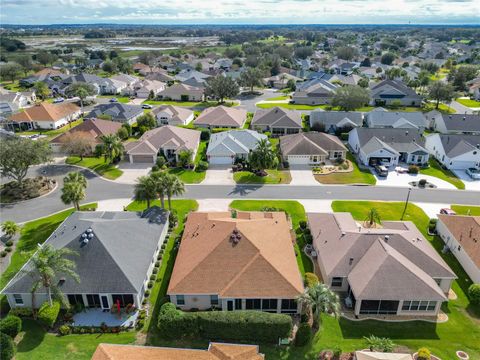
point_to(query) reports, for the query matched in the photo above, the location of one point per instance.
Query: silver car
(473, 173)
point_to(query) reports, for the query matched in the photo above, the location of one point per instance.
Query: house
(167, 140)
(474, 88)
(390, 270)
(280, 81)
(224, 64)
(227, 263)
(277, 120)
(215, 351)
(392, 92)
(461, 235)
(116, 252)
(454, 123)
(221, 117)
(226, 146)
(102, 85)
(149, 87)
(117, 112)
(160, 75)
(45, 116)
(125, 78)
(186, 74)
(172, 115)
(388, 146)
(455, 152)
(181, 92)
(333, 121)
(314, 92)
(374, 355)
(11, 102)
(311, 148)
(396, 120)
(93, 128)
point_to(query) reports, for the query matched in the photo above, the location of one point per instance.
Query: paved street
(459, 108)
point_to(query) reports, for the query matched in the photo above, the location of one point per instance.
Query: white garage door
(142, 159)
(220, 160)
(298, 160)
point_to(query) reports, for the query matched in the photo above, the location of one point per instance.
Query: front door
(230, 305)
(105, 304)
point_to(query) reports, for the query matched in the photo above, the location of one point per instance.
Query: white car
(473, 173)
(58, 100)
(147, 106)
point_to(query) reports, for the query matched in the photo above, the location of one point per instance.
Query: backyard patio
(95, 317)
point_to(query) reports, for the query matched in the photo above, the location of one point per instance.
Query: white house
(173, 115)
(455, 152)
(45, 116)
(454, 123)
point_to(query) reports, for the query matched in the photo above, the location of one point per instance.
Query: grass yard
(268, 105)
(188, 176)
(436, 170)
(441, 107)
(98, 165)
(469, 103)
(120, 99)
(273, 177)
(296, 212)
(52, 133)
(357, 176)
(37, 344)
(197, 104)
(466, 210)
(277, 98)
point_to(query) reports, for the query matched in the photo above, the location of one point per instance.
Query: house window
(18, 299)
(253, 304)
(419, 305)
(269, 304)
(214, 300)
(406, 305)
(123, 299)
(438, 281)
(289, 305)
(238, 304)
(180, 300)
(337, 281)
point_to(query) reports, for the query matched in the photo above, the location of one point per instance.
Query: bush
(422, 182)
(344, 136)
(161, 161)
(311, 279)
(3, 253)
(413, 169)
(64, 330)
(302, 224)
(223, 325)
(7, 347)
(21, 312)
(150, 284)
(304, 335)
(47, 314)
(9, 243)
(155, 168)
(432, 225)
(308, 238)
(205, 134)
(157, 264)
(147, 293)
(155, 270)
(423, 354)
(11, 325)
(474, 294)
(201, 166)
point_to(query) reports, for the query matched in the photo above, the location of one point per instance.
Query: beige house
(147, 87)
(182, 92)
(221, 117)
(227, 263)
(45, 116)
(277, 120)
(173, 115)
(391, 270)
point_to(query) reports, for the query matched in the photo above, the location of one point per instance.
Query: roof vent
(344, 233)
(386, 237)
(464, 118)
(350, 262)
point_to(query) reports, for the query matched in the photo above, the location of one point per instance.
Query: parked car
(447, 211)
(58, 100)
(113, 100)
(473, 173)
(147, 106)
(381, 170)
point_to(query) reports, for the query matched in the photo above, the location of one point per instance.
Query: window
(18, 299)
(93, 300)
(406, 305)
(124, 299)
(431, 305)
(180, 300)
(289, 304)
(253, 304)
(423, 305)
(214, 299)
(419, 305)
(238, 304)
(438, 281)
(337, 281)
(269, 304)
(74, 299)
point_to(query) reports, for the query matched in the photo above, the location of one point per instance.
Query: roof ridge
(247, 265)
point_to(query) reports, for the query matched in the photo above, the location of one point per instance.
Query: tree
(263, 156)
(251, 77)
(109, 67)
(48, 265)
(173, 187)
(387, 58)
(350, 97)
(461, 75)
(373, 217)
(303, 52)
(10, 71)
(25, 62)
(122, 133)
(160, 180)
(474, 294)
(112, 147)
(221, 87)
(185, 158)
(319, 299)
(41, 90)
(45, 58)
(18, 154)
(7, 347)
(363, 83)
(10, 228)
(440, 91)
(346, 52)
(73, 191)
(76, 177)
(79, 143)
(145, 189)
(375, 343)
(147, 120)
(366, 62)
(81, 90)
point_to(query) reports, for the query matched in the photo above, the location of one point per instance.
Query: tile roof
(310, 143)
(222, 116)
(94, 127)
(277, 117)
(45, 112)
(178, 113)
(257, 264)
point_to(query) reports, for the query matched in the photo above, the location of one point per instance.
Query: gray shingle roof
(400, 140)
(234, 142)
(277, 117)
(461, 122)
(397, 85)
(455, 145)
(118, 111)
(396, 119)
(336, 118)
(311, 143)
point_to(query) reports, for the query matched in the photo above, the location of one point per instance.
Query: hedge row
(11, 325)
(223, 325)
(47, 314)
(7, 347)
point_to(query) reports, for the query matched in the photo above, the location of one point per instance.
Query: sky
(36, 12)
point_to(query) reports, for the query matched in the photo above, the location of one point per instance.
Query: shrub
(150, 284)
(157, 264)
(3, 253)
(11, 325)
(474, 294)
(201, 166)
(422, 182)
(147, 293)
(64, 330)
(9, 243)
(308, 238)
(337, 351)
(423, 354)
(205, 134)
(155, 270)
(155, 168)
(47, 314)
(161, 162)
(21, 312)
(7, 347)
(302, 224)
(311, 279)
(413, 169)
(344, 136)
(432, 225)
(304, 334)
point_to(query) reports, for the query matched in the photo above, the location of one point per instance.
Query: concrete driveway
(219, 175)
(132, 171)
(470, 184)
(302, 175)
(402, 180)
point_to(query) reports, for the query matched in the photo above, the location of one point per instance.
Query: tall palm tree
(160, 180)
(113, 147)
(47, 265)
(76, 177)
(10, 228)
(145, 189)
(319, 299)
(373, 217)
(173, 186)
(263, 156)
(73, 193)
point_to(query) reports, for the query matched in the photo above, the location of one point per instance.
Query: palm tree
(76, 177)
(145, 189)
(160, 180)
(73, 192)
(113, 147)
(319, 299)
(263, 156)
(47, 265)
(373, 217)
(10, 228)
(173, 186)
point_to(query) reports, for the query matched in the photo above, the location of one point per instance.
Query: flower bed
(345, 167)
(29, 189)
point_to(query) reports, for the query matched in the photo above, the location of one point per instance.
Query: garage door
(299, 160)
(220, 160)
(142, 159)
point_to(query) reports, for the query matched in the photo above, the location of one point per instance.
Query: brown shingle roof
(277, 117)
(45, 112)
(94, 127)
(311, 143)
(221, 116)
(262, 264)
(215, 351)
(466, 230)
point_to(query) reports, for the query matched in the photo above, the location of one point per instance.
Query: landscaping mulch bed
(29, 189)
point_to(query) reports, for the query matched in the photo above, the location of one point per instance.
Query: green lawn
(188, 176)
(296, 212)
(120, 99)
(441, 107)
(466, 210)
(357, 176)
(273, 177)
(98, 165)
(198, 104)
(277, 98)
(37, 344)
(52, 133)
(436, 170)
(267, 105)
(469, 103)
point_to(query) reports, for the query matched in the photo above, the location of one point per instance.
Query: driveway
(459, 108)
(213, 204)
(248, 102)
(402, 180)
(219, 175)
(302, 175)
(136, 101)
(467, 180)
(132, 171)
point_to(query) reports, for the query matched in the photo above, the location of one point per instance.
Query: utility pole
(406, 203)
